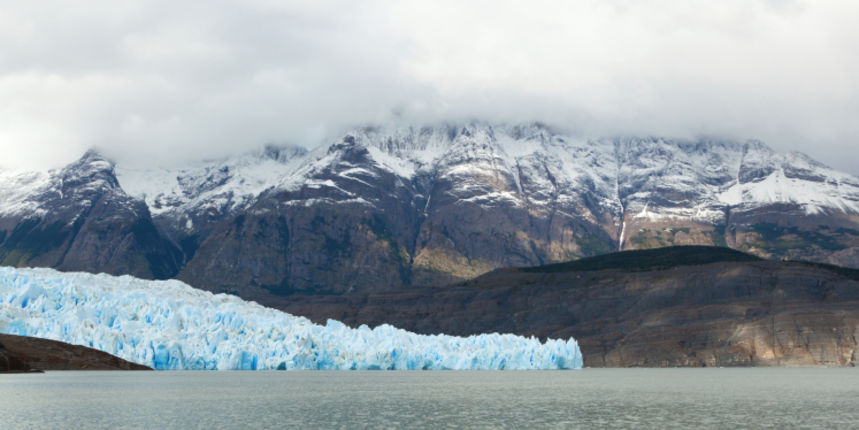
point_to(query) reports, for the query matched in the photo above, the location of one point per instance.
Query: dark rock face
(313, 250)
(85, 221)
(22, 353)
(11, 363)
(729, 313)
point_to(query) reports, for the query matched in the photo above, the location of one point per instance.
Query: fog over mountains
(389, 206)
(157, 80)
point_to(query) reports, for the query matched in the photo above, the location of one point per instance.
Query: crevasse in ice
(170, 325)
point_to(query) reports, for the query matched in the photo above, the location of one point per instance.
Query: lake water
(589, 398)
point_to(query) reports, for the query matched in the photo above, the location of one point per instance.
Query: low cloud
(156, 81)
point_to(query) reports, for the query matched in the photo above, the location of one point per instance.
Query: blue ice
(170, 325)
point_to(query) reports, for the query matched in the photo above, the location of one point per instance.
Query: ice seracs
(169, 325)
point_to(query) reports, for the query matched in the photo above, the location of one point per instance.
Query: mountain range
(396, 206)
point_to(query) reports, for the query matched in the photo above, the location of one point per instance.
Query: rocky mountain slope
(79, 218)
(677, 306)
(398, 206)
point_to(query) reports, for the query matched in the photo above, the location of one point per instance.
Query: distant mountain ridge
(397, 206)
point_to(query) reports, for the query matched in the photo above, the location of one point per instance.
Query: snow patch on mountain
(38, 194)
(17, 190)
(224, 185)
(814, 197)
(694, 213)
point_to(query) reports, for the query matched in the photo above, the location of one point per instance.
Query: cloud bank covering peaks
(157, 81)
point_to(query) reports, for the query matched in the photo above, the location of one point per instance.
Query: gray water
(589, 398)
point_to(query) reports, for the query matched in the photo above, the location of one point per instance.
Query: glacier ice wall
(170, 325)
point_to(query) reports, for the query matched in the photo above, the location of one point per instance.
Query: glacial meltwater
(588, 398)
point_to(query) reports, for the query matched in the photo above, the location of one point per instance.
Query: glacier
(170, 325)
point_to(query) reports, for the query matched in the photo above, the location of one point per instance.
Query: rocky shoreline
(23, 354)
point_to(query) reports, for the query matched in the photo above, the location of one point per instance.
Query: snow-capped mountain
(382, 207)
(79, 217)
(206, 191)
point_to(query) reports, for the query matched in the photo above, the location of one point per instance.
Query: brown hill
(680, 306)
(25, 354)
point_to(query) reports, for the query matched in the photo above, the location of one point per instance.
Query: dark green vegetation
(648, 259)
(27, 240)
(718, 235)
(593, 245)
(784, 238)
(842, 271)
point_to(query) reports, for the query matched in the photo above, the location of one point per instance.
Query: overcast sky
(154, 80)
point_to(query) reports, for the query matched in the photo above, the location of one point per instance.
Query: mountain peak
(92, 168)
(282, 153)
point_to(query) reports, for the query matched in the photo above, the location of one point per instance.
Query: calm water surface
(589, 398)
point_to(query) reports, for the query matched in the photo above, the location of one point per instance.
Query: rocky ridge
(394, 206)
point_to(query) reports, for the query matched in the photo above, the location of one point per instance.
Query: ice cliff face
(169, 325)
(393, 206)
